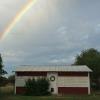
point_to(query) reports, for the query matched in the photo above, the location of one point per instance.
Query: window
(52, 78)
(52, 89)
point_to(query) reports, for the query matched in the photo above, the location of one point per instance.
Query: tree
(43, 86)
(91, 58)
(37, 87)
(1, 67)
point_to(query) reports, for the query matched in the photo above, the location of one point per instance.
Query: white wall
(70, 81)
(20, 80)
(53, 84)
(61, 81)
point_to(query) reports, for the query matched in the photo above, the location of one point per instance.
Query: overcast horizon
(51, 32)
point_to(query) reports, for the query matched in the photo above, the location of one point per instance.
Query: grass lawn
(83, 97)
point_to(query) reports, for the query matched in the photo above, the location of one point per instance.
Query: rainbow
(17, 18)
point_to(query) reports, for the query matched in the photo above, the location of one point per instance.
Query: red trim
(73, 90)
(20, 90)
(72, 74)
(28, 73)
(31, 73)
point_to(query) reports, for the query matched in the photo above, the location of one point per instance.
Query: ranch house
(63, 79)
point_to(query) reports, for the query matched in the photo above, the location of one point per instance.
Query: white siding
(20, 80)
(53, 84)
(63, 81)
(73, 81)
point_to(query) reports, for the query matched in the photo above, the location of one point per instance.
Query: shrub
(30, 87)
(37, 87)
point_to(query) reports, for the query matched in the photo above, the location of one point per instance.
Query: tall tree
(91, 58)
(1, 67)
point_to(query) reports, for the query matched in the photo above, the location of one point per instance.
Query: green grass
(82, 97)
(7, 89)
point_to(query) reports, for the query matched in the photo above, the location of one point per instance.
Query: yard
(91, 97)
(7, 94)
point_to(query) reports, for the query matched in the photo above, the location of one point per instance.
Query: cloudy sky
(50, 32)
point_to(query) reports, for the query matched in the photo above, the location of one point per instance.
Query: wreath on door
(52, 78)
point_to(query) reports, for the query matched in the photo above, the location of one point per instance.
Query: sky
(51, 32)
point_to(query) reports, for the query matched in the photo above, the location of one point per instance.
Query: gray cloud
(54, 33)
